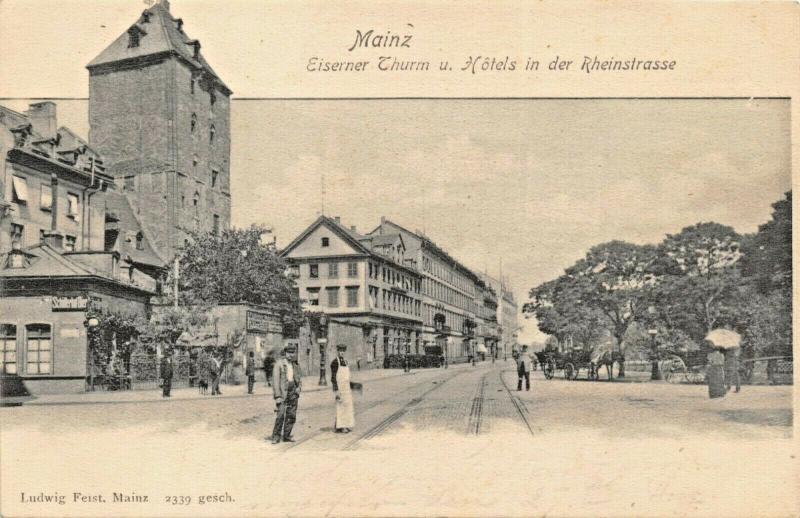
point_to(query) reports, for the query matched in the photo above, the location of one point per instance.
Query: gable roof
(160, 33)
(120, 207)
(347, 235)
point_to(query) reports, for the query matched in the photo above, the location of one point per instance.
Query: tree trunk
(622, 355)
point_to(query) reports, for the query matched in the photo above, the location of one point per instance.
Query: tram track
(519, 405)
(387, 422)
(476, 412)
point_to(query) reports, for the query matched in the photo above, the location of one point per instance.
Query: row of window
(158, 181)
(333, 270)
(332, 294)
(38, 342)
(437, 290)
(394, 277)
(452, 319)
(447, 273)
(17, 235)
(21, 195)
(393, 301)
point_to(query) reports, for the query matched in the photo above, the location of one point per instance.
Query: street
(457, 441)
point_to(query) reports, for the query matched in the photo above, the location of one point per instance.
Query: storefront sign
(262, 323)
(77, 303)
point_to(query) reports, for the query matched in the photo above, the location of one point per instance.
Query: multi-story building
(365, 280)
(507, 313)
(487, 330)
(449, 291)
(52, 182)
(160, 116)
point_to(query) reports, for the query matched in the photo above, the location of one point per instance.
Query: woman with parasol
(723, 341)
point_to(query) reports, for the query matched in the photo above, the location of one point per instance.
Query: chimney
(338, 220)
(54, 239)
(43, 118)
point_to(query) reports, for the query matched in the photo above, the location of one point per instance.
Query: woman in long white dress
(340, 380)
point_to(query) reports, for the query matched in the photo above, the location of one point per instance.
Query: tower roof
(158, 33)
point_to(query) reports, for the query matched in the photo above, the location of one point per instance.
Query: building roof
(45, 262)
(160, 33)
(64, 148)
(119, 207)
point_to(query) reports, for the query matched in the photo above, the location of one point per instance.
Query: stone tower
(160, 116)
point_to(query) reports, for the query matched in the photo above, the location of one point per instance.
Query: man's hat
(341, 347)
(290, 348)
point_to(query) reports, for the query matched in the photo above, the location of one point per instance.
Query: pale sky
(534, 182)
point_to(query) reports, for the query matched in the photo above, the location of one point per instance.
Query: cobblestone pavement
(459, 441)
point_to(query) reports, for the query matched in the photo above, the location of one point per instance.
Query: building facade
(364, 280)
(160, 116)
(507, 314)
(449, 294)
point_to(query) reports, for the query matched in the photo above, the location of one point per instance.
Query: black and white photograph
(223, 299)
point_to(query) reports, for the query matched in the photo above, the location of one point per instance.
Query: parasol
(724, 338)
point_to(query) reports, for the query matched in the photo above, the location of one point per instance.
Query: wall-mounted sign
(262, 323)
(76, 303)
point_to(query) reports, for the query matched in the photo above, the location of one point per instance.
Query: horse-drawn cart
(573, 361)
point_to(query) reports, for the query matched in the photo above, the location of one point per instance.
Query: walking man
(216, 372)
(286, 391)
(250, 371)
(166, 374)
(269, 364)
(524, 362)
(340, 380)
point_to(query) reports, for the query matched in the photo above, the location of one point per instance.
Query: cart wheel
(570, 372)
(549, 370)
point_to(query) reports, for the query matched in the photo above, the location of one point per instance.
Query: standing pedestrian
(715, 373)
(166, 374)
(340, 380)
(217, 364)
(286, 391)
(269, 363)
(250, 371)
(732, 369)
(524, 362)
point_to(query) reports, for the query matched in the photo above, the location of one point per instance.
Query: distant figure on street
(216, 365)
(250, 371)
(524, 363)
(358, 363)
(166, 374)
(732, 369)
(286, 391)
(715, 373)
(269, 363)
(340, 381)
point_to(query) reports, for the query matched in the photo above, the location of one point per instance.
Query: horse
(602, 355)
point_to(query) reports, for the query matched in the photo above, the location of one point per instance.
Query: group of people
(286, 387)
(209, 370)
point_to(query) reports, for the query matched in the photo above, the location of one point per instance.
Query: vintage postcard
(383, 258)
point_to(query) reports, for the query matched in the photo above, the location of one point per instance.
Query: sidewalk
(193, 393)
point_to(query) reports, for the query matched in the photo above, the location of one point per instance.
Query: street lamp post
(656, 372)
(91, 324)
(323, 342)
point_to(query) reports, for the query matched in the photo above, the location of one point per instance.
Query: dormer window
(139, 241)
(196, 45)
(179, 24)
(135, 34)
(146, 16)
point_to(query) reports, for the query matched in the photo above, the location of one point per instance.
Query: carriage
(690, 367)
(571, 362)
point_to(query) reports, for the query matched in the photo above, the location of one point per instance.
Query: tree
(236, 267)
(768, 255)
(611, 286)
(701, 279)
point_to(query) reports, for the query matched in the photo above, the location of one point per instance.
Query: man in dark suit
(286, 391)
(166, 374)
(250, 372)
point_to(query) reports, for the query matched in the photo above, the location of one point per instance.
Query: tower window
(212, 98)
(216, 225)
(129, 184)
(214, 175)
(212, 133)
(196, 204)
(193, 123)
(191, 85)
